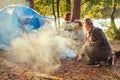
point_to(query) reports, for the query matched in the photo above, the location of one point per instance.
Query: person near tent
(78, 36)
(78, 32)
(67, 24)
(96, 46)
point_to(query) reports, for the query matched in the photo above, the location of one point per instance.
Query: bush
(112, 32)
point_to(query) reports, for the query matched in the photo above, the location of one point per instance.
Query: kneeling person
(96, 46)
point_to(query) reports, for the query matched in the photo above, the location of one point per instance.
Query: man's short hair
(88, 21)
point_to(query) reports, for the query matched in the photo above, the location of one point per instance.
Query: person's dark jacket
(98, 39)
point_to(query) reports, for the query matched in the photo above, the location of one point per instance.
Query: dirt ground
(69, 70)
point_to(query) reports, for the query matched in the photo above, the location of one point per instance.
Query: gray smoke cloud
(40, 50)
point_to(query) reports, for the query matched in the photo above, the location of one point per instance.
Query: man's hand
(79, 57)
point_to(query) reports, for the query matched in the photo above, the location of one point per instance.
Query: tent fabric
(15, 19)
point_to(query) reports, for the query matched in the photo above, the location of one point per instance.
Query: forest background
(97, 9)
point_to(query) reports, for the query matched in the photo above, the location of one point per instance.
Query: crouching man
(96, 47)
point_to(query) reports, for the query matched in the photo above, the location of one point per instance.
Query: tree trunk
(68, 7)
(58, 14)
(53, 9)
(76, 6)
(31, 3)
(113, 25)
(113, 13)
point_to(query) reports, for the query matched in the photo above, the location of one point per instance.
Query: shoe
(117, 54)
(110, 60)
(92, 63)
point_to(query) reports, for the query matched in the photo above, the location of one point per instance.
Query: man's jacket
(97, 39)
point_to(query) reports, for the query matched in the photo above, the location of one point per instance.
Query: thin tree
(58, 13)
(53, 10)
(113, 12)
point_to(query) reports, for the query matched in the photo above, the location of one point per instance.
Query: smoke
(40, 50)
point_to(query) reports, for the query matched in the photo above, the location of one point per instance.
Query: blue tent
(16, 19)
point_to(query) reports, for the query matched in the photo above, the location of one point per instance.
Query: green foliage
(90, 8)
(112, 32)
(44, 7)
(118, 34)
(103, 9)
(92, 11)
(99, 8)
(107, 3)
